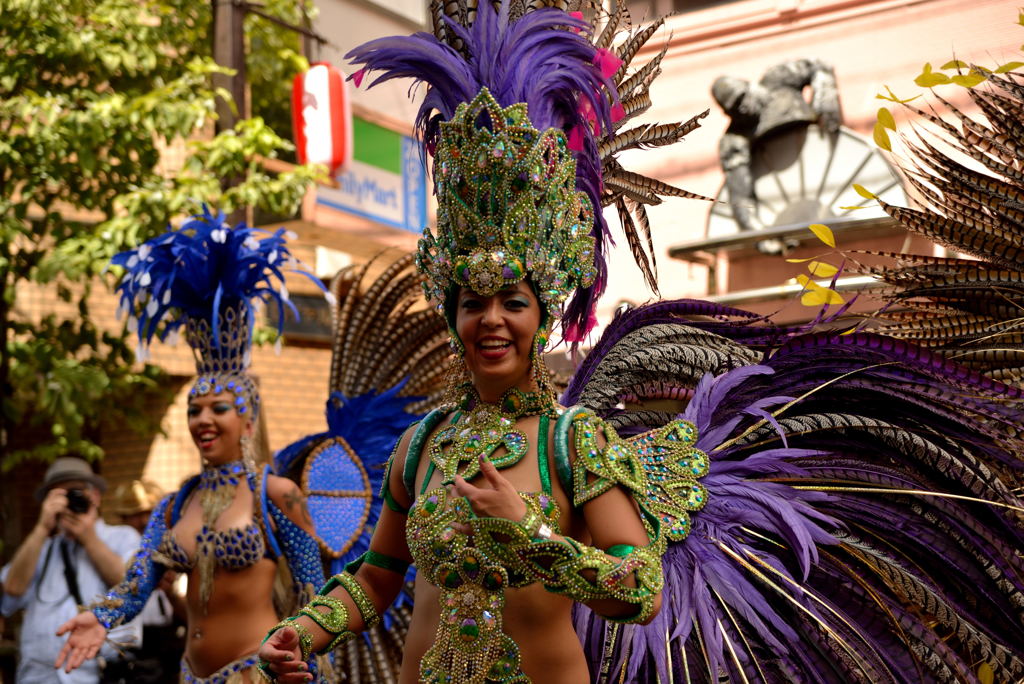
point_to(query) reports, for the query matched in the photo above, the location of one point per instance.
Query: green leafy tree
(91, 94)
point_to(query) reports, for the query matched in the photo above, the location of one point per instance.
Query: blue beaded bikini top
(235, 548)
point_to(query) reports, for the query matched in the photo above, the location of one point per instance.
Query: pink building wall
(870, 43)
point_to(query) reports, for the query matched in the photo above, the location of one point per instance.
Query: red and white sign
(322, 117)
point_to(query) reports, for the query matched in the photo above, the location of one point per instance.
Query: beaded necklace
(470, 645)
(216, 489)
(484, 427)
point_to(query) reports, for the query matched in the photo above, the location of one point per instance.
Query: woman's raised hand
(281, 658)
(495, 497)
(87, 635)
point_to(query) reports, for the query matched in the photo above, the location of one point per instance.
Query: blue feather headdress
(206, 276)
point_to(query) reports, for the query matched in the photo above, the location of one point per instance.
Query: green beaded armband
(385, 562)
(305, 636)
(359, 597)
(335, 622)
(378, 560)
(566, 567)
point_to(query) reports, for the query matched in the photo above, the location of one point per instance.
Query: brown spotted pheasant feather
(969, 177)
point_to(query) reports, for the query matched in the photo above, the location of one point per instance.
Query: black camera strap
(70, 576)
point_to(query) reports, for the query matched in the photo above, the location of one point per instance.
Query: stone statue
(761, 109)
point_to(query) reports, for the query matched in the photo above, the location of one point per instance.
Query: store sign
(384, 182)
(322, 117)
(314, 321)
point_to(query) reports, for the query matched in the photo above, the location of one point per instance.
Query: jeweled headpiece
(522, 115)
(508, 205)
(206, 276)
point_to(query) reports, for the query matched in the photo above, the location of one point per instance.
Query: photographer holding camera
(70, 558)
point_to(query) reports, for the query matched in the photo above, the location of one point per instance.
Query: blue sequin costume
(276, 536)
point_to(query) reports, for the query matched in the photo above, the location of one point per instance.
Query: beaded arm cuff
(334, 621)
(583, 573)
(126, 600)
(358, 594)
(305, 637)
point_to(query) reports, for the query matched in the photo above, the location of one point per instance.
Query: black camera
(78, 501)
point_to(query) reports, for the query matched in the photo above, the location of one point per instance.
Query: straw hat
(134, 497)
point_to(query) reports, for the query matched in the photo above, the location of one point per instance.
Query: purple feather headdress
(543, 59)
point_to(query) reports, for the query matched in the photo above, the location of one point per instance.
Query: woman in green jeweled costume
(476, 616)
(511, 506)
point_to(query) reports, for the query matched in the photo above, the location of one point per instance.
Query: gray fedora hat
(65, 469)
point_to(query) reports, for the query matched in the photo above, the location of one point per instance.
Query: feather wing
(859, 489)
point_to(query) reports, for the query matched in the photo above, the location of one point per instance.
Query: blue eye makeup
(517, 303)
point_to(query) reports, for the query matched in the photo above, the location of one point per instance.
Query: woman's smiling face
(497, 333)
(217, 427)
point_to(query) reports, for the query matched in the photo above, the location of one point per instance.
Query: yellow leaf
(885, 118)
(1020, 17)
(968, 80)
(853, 208)
(956, 64)
(822, 296)
(929, 78)
(881, 137)
(823, 233)
(864, 192)
(820, 269)
(1009, 66)
(799, 261)
(985, 674)
(891, 97)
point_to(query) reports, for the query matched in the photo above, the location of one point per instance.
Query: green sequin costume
(473, 571)
(519, 185)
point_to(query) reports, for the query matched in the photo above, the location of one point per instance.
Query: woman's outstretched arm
(88, 630)
(350, 601)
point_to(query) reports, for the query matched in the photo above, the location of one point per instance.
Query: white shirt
(48, 604)
(158, 611)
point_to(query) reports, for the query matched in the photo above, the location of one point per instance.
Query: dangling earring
(248, 453)
(457, 376)
(456, 382)
(539, 369)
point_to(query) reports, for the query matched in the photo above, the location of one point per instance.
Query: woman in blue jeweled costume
(228, 527)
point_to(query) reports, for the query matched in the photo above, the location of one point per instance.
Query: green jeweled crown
(508, 208)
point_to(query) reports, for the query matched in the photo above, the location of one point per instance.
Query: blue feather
(200, 270)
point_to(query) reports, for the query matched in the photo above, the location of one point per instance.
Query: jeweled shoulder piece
(672, 468)
(661, 467)
(508, 205)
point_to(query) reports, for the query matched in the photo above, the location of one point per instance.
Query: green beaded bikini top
(659, 469)
(470, 645)
(485, 429)
(447, 558)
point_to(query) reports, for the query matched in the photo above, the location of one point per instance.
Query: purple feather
(545, 59)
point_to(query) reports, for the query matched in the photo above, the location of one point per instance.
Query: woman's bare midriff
(537, 620)
(238, 616)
